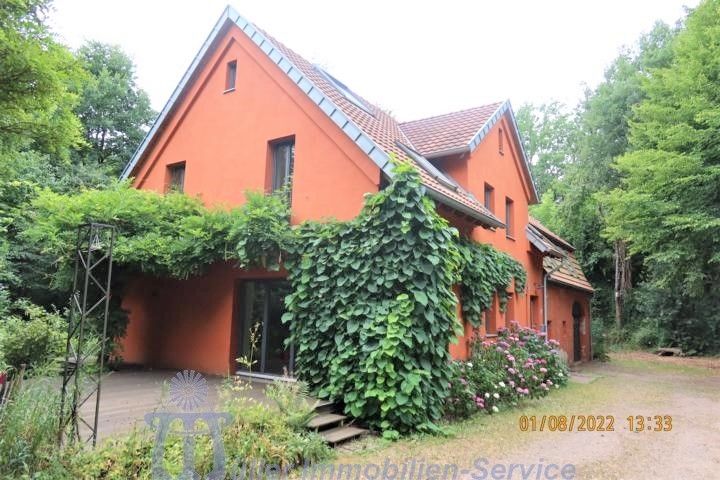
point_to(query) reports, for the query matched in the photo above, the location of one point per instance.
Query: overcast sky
(413, 58)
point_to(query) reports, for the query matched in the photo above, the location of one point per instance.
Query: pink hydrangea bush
(520, 364)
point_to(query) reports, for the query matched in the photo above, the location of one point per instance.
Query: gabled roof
(448, 133)
(462, 132)
(559, 261)
(374, 131)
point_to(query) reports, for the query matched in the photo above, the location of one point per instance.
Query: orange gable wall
(504, 174)
(223, 138)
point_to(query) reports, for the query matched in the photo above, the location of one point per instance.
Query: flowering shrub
(462, 400)
(520, 364)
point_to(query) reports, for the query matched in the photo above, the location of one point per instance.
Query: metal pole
(104, 335)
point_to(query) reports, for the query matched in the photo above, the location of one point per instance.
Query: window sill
(510, 237)
(491, 335)
(229, 90)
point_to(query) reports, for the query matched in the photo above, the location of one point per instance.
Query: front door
(262, 333)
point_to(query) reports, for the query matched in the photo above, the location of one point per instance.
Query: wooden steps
(334, 427)
(337, 435)
(323, 420)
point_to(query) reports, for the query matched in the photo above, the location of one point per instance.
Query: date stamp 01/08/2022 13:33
(594, 423)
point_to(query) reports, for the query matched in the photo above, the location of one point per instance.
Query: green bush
(520, 364)
(258, 434)
(28, 429)
(646, 335)
(33, 337)
(599, 341)
(293, 401)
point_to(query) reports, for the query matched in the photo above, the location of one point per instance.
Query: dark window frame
(489, 197)
(282, 164)
(238, 336)
(509, 218)
(176, 173)
(501, 142)
(230, 75)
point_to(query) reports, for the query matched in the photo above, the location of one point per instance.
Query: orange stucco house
(248, 114)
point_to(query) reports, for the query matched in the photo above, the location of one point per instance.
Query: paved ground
(128, 395)
(629, 385)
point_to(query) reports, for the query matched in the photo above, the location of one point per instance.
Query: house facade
(252, 115)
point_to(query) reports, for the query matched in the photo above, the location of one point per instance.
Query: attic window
(500, 142)
(230, 76)
(345, 90)
(175, 179)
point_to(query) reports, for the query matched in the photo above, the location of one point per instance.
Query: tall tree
(39, 80)
(549, 139)
(667, 205)
(114, 111)
(39, 84)
(595, 138)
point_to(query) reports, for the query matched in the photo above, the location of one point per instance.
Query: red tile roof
(447, 132)
(382, 128)
(563, 269)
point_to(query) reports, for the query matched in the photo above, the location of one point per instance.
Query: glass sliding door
(262, 333)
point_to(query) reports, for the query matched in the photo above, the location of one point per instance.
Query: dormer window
(230, 76)
(344, 90)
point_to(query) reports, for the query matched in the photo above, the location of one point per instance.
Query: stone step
(341, 434)
(326, 419)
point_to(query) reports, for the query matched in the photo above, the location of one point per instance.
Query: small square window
(509, 218)
(489, 197)
(176, 178)
(230, 76)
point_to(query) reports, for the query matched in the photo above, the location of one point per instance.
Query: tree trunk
(623, 279)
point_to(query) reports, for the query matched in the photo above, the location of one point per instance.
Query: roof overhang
(589, 291)
(538, 241)
(463, 209)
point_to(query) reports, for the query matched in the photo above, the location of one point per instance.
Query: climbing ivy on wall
(486, 272)
(372, 309)
(170, 235)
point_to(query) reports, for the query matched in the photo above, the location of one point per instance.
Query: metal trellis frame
(89, 307)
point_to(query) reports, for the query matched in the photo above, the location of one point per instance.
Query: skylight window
(344, 89)
(431, 169)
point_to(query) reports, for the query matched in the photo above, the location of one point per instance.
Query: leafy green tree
(599, 134)
(39, 80)
(114, 111)
(549, 137)
(667, 205)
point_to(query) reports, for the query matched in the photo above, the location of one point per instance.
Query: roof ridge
(456, 112)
